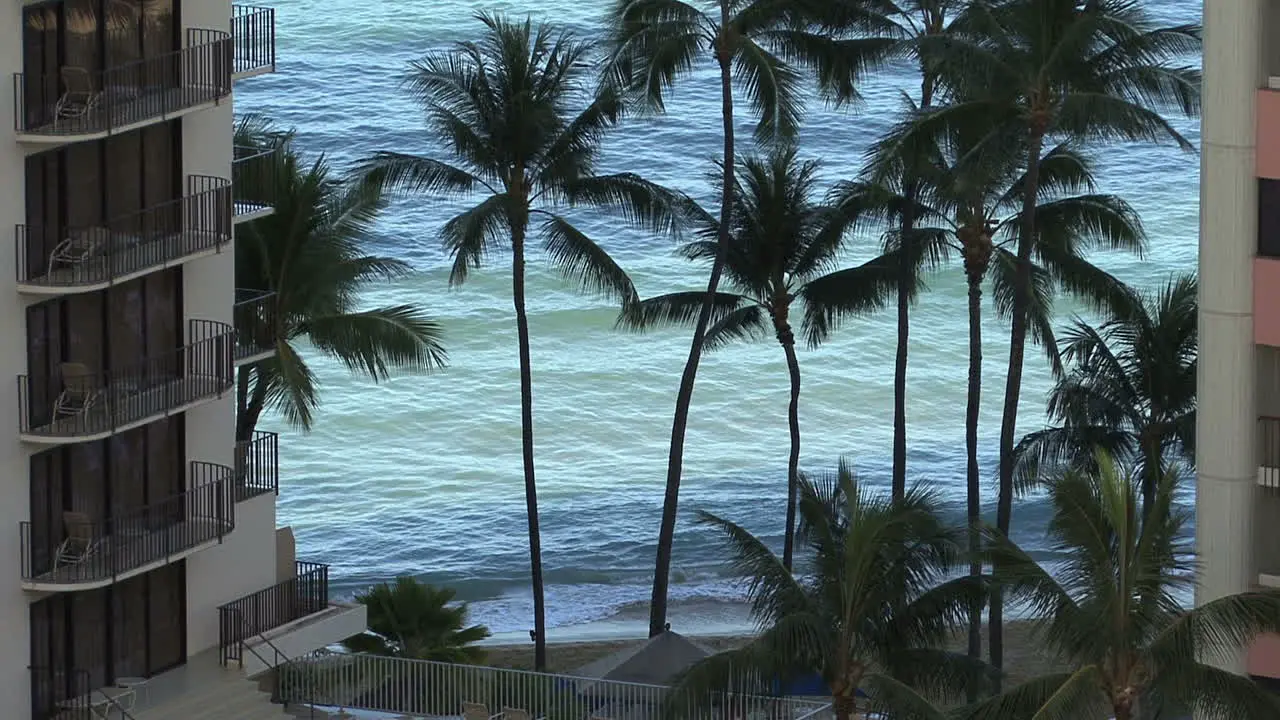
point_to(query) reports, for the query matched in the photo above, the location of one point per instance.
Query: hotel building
(1238, 438)
(141, 569)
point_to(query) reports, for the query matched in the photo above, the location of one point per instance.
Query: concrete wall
(244, 563)
(1226, 438)
(15, 682)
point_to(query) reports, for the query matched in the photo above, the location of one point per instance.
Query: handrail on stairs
(282, 661)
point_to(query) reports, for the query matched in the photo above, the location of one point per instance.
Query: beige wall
(244, 563)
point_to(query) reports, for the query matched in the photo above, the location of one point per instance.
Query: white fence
(433, 689)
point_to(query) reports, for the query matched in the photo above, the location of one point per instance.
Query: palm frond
(581, 259)
(680, 308)
(372, 341)
(837, 296)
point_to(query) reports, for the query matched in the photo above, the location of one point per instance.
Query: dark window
(1269, 218)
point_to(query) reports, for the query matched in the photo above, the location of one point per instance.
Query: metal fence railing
(258, 465)
(254, 318)
(78, 548)
(120, 247)
(253, 179)
(77, 100)
(305, 593)
(1269, 451)
(253, 32)
(71, 693)
(421, 687)
(79, 400)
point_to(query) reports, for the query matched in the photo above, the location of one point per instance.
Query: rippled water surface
(422, 474)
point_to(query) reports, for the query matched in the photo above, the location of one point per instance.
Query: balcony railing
(1269, 451)
(253, 181)
(82, 103)
(254, 316)
(87, 551)
(87, 258)
(258, 465)
(79, 403)
(240, 620)
(253, 31)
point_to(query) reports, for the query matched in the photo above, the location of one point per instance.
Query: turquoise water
(422, 474)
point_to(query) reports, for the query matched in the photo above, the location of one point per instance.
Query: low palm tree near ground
(970, 204)
(753, 43)
(411, 619)
(313, 254)
(1110, 607)
(1130, 391)
(868, 614)
(1085, 71)
(783, 252)
(524, 128)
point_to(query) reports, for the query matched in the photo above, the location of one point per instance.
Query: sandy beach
(1023, 658)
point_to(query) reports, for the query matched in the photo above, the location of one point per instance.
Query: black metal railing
(72, 693)
(78, 548)
(1269, 450)
(253, 179)
(83, 101)
(253, 31)
(92, 255)
(258, 465)
(80, 401)
(299, 596)
(254, 317)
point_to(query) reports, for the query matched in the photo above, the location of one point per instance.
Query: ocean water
(422, 474)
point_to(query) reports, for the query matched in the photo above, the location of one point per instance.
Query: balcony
(88, 553)
(81, 104)
(81, 404)
(63, 261)
(291, 618)
(258, 465)
(253, 183)
(253, 33)
(254, 316)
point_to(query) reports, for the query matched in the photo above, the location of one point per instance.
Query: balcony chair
(79, 392)
(80, 248)
(79, 99)
(80, 543)
(477, 711)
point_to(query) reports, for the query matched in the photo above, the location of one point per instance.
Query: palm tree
(1131, 391)
(783, 248)
(311, 253)
(412, 619)
(655, 42)
(1111, 609)
(898, 26)
(502, 106)
(871, 615)
(1087, 71)
(972, 205)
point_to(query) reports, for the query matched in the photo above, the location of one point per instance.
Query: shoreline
(1024, 658)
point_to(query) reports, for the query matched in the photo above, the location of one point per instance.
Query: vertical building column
(1226, 456)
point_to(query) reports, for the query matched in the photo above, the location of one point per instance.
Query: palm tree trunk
(973, 476)
(249, 406)
(1013, 382)
(684, 398)
(526, 446)
(900, 361)
(845, 706)
(1152, 459)
(788, 340)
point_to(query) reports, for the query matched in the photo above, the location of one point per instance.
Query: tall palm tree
(656, 42)
(784, 248)
(870, 616)
(898, 26)
(971, 205)
(502, 105)
(411, 619)
(312, 254)
(1111, 608)
(1131, 391)
(1087, 71)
